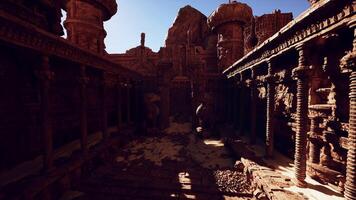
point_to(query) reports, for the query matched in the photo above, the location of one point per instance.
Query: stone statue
(152, 112)
(143, 39)
(205, 115)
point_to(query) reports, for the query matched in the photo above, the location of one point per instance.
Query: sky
(154, 17)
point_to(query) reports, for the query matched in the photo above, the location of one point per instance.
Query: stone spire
(143, 39)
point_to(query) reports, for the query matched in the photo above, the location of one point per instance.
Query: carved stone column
(165, 105)
(300, 74)
(314, 145)
(242, 106)
(252, 85)
(348, 64)
(119, 102)
(128, 106)
(270, 111)
(83, 82)
(229, 102)
(45, 75)
(138, 109)
(104, 114)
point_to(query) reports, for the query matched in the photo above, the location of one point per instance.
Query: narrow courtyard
(175, 164)
(157, 99)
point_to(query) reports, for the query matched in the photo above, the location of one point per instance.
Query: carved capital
(302, 71)
(347, 63)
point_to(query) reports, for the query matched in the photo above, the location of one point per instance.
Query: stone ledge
(270, 182)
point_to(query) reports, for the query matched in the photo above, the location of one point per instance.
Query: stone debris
(232, 181)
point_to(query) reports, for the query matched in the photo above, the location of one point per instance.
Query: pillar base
(298, 183)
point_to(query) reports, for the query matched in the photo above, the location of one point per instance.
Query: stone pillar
(104, 113)
(164, 90)
(300, 74)
(325, 156)
(270, 111)
(314, 151)
(139, 104)
(314, 146)
(119, 103)
(348, 64)
(230, 102)
(253, 105)
(242, 106)
(45, 76)
(83, 81)
(128, 106)
(165, 105)
(236, 102)
(135, 101)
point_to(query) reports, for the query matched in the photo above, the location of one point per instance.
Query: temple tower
(228, 22)
(85, 22)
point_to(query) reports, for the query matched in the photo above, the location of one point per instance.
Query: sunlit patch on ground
(155, 150)
(209, 154)
(214, 143)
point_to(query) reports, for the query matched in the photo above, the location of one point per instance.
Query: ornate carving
(307, 32)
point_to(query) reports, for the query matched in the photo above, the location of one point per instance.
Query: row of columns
(348, 64)
(300, 74)
(45, 76)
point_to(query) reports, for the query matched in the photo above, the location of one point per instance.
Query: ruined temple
(233, 106)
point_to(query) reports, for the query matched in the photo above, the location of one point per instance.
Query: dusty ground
(173, 165)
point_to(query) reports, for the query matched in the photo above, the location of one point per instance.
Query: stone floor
(172, 165)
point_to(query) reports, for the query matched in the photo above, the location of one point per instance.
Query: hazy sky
(154, 17)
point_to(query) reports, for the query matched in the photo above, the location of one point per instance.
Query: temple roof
(230, 12)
